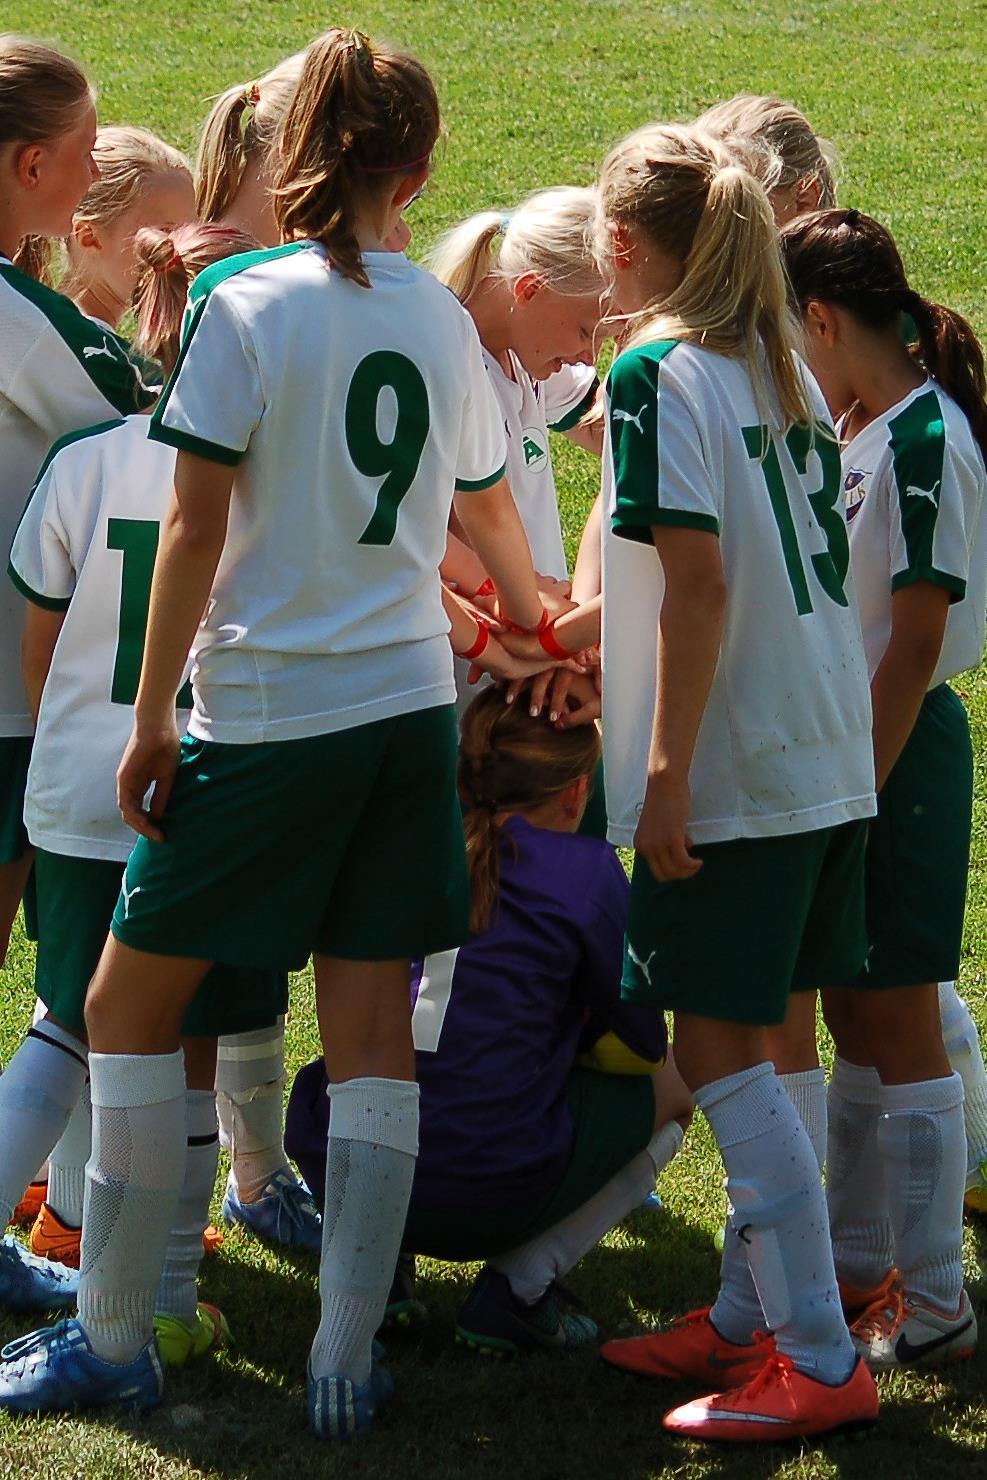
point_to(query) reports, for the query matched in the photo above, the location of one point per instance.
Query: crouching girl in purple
(527, 1155)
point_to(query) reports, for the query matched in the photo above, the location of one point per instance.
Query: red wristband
(487, 589)
(482, 638)
(551, 644)
(544, 622)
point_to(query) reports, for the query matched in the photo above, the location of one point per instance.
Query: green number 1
(830, 565)
(138, 541)
(396, 461)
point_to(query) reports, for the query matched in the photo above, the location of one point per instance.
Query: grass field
(532, 96)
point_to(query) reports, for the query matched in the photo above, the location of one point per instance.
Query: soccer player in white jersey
(83, 555)
(328, 399)
(914, 433)
(737, 728)
(58, 370)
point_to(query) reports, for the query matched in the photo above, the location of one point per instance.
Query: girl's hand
(549, 586)
(661, 836)
(149, 761)
(582, 703)
(506, 666)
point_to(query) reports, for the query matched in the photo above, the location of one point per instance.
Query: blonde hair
(241, 126)
(129, 159)
(549, 233)
(168, 262)
(682, 189)
(510, 761)
(42, 95)
(362, 114)
(792, 154)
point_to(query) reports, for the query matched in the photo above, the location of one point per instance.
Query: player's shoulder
(926, 436)
(573, 864)
(81, 448)
(260, 268)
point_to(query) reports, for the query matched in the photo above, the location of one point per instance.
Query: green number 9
(397, 461)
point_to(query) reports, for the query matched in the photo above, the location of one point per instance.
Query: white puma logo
(91, 350)
(619, 415)
(642, 966)
(930, 493)
(128, 895)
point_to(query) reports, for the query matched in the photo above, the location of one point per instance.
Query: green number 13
(830, 565)
(397, 461)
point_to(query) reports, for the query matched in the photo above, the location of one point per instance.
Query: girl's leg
(962, 1044)
(178, 1294)
(249, 1103)
(13, 881)
(134, 1013)
(365, 1021)
(775, 1188)
(39, 1090)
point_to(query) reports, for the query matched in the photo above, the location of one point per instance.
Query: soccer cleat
(29, 1283)
(177, 1342)
(779, 1403)
(30, 1205)
(691, 1350)
(52, 1239)
(975, 1197)
(899, 1331)
(403, 1308)
(284, 1213)
(55, 1370)
(212, 1239)
(341, 1409)
(493, 1319)
(855, 1299)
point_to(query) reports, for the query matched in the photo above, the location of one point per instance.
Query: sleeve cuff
(640, 525)
(470, 485)
(186, 442)
(577, 413)
(50, 603)
(955, 585)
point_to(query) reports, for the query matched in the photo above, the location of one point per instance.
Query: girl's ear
(85, 235)
(808, 194)
(821, 323)
(27, 166)
(575, 797)
(527, 286)
(621, 244)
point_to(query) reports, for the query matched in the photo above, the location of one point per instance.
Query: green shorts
(75, 899)
(918, 853)
(348, 844)
(763, 917)
(15, 757)
(613, 1117)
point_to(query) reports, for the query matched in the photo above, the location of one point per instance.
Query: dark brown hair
(850, 260)
(510, 762)
(361, 113)
(42, 95)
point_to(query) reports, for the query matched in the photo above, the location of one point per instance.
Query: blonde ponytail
(793, 154)
(550, 233)
(242, 125)
(681, 189)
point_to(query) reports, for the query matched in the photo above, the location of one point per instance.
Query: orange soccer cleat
(855, 1299)
(30, 1204)
(691, 1350)
(780, 1403)
(52, 1239)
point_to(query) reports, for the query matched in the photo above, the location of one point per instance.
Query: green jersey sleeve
(927, 512)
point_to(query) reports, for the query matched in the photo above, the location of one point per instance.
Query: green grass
(532, 96)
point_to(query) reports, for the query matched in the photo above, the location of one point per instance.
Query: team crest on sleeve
(854, 491)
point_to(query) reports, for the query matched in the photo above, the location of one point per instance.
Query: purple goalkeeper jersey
(498, 1025)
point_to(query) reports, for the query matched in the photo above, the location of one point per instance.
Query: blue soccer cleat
(29, 1283)
(284, 1213)
(492, 1319)
(341, 1409)
(55, 1370)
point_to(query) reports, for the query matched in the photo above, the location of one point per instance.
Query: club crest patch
(535, 454)
(854, 492)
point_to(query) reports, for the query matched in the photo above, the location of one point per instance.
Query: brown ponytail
(511, 762)
(167, 263)
(361, 113)
(850, 260)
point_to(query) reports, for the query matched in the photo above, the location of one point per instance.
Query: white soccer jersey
(59, 371)
(914, 481)
(531, 408)
(350, 415)
(86, 544)
(785, 741)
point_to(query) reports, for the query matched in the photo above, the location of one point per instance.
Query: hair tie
(505, 222)
(175, 260)
(360, 42)
(852, 219)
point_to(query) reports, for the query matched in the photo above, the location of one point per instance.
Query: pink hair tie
(175, 260)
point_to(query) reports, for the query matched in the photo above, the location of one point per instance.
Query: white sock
(533, 1266)
(38, 1092)
(370, 1163)
(133, 1182)
(962, 1044)
(40, 1012)
(920, 1135)
(67, 1163)
(856, 1184)
(178, 1292)
(737, 1313)
(250, 1104)
(776, 1191)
